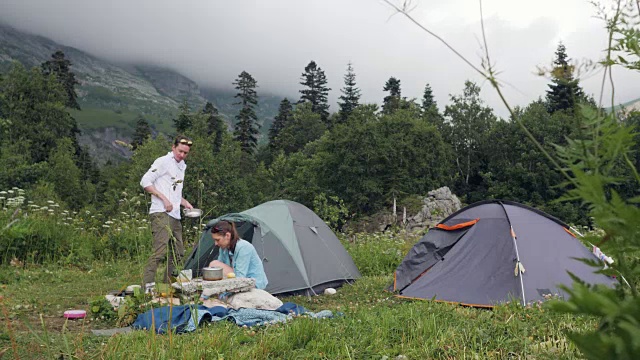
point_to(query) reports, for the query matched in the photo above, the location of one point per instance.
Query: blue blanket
(186, 318)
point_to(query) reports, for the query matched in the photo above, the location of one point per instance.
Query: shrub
(378, 254)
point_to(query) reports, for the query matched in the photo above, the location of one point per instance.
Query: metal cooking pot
(211, 273)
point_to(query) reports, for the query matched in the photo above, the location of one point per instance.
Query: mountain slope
(113, 95)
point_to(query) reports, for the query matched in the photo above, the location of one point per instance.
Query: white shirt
(167, 175)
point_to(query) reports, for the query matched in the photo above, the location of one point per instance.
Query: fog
(211, 42)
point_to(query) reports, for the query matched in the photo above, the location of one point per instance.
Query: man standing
(164, 182)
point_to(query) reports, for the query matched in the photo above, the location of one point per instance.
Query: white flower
(10, 191)
(51, 210)
(108, 222)
(2, 197)
(51, 202)
(3, 193)
(106, 226)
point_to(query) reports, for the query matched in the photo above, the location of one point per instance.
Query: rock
(330, 291)
(115, 301)
(210, 288)
(254, 299)
(438, 204)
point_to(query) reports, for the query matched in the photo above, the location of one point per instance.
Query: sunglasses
(217, 229)
(186, 142)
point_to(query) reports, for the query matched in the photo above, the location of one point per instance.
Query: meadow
(54, 260)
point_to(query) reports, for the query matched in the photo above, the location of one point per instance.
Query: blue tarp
(186, 318)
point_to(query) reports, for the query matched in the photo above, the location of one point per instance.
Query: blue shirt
(246, 262)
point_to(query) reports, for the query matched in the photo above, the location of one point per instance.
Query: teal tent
(300, 253)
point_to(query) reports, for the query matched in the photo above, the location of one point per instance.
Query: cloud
(213, 41)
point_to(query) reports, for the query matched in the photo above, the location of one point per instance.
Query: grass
(94, 255)
(375, 324)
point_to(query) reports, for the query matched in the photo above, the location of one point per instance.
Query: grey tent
(492, 252)
(300, 253)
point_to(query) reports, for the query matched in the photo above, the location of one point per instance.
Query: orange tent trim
(457, 226)
(570, 233)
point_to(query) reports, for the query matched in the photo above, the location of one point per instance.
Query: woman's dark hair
(224, 227)
(181, 139)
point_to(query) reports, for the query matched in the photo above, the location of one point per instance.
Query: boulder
(437, 205)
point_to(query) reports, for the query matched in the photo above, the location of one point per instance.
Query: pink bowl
(75, 314)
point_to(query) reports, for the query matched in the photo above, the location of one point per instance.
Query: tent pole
(515, 245)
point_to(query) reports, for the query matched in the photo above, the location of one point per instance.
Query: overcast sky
(212, 41)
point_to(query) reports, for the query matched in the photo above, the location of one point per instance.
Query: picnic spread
(232, 299)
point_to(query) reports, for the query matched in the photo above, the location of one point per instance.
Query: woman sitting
(237, 255)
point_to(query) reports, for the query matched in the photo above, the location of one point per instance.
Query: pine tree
(564, 93)
(350, 95)
(142, 132)
(246, 128)
(184, 121)
(61, 67)
(430, 112)
(317, 91)
(392, 102)
(284, 117)
(215, 125)
(428, 102)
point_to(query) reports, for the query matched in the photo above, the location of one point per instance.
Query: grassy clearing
(375, 324)
(53, 260)
(90, 118)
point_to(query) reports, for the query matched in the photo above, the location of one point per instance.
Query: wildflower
(51, 210)
(108, 222)
(10, 191)
(2, 197)
(106, 226)
(51, 202)
(3, 193)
